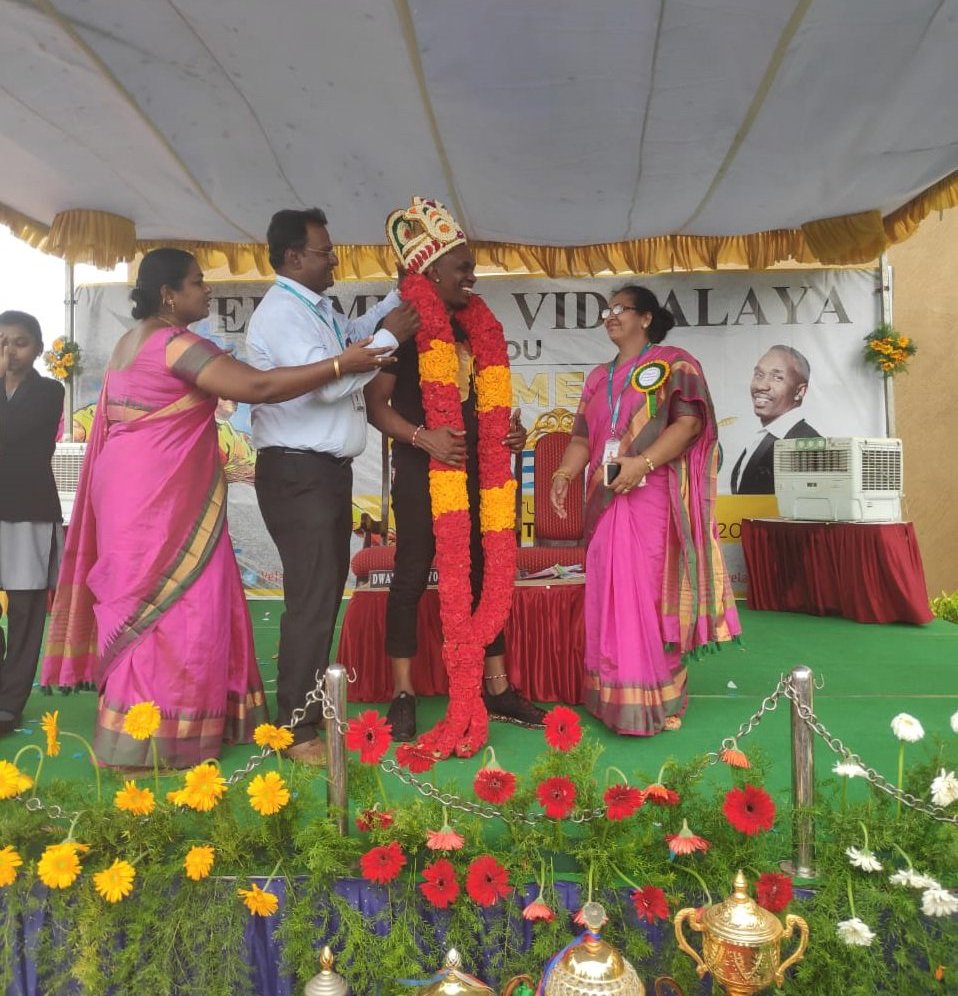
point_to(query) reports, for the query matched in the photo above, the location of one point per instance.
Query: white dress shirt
(284, 331)
(778, 427)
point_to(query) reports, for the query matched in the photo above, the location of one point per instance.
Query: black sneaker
(402, 716)
(511, 706)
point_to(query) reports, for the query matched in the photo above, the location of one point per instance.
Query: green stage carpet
(870, 673)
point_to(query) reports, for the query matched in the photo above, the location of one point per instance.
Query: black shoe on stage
(402, 717)
(511, 706)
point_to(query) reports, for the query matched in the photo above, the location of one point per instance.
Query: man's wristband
(419, 429)
(336, 369)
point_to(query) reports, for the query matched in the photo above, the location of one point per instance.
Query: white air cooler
(847, 479)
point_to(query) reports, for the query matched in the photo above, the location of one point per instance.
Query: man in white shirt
(779, 382)
(306, 447)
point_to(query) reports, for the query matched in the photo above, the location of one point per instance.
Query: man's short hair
(287, 230)
(802, 368)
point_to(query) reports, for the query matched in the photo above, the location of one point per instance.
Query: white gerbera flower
(863, 859)
(912, 879)
(908, 728)
(944, 788)
(849, 769)
(938, 902)
(855, 932)
(954, 723)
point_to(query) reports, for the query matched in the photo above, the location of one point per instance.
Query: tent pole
(69, 303)
(886, 277)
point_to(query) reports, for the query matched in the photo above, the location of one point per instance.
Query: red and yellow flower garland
(466, 633)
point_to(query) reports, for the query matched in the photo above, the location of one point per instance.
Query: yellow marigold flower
(177, 797)
(903, 341)
(497, 507)
(116, 882)
(199, 861)
(204, 788)
(268, 793)
(133, 799)
(59, 864)
(58, 344)
(493, 388)
(69, 360)
(259, 902)
(273, 737)
(439, 362)
(48, 723)
(447, 488)
(10, 861)
(142, 721)
(12, 780)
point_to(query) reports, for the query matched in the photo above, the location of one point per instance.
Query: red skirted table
(867, 571)
(545, 643)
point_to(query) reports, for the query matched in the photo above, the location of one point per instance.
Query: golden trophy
(452, 981)
(328, 982)
(590, 967)
(741, 942)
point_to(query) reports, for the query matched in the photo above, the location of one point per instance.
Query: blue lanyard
(614, 410)
(314, 308)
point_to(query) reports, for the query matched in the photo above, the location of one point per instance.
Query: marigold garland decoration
(116, 882)
(486, 880)
(142, 720)
(62, 359)
(888, 351)
(10, 861)
(258, 901)
(369, 734)
(440, 887)
(749, 809)
(274, 737)
(198, 862)
(133, 799)
(383, 864)
(268, 793)
(48, 723)
(59, 865)
(12, 780)
(464, 729)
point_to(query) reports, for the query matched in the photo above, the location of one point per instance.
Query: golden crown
(421, 233)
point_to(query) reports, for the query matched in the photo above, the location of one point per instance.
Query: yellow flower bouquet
(62, 358)
(888, 351)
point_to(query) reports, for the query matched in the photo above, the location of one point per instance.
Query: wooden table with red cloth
(867, 571)
(545, 643)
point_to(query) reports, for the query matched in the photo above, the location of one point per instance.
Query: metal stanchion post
(803, 776)
(336, 798)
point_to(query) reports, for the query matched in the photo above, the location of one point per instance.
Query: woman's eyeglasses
(615, 310)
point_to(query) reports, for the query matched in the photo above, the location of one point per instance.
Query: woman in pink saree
(657, 588)
(150, 605)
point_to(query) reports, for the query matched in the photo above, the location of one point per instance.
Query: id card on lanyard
(332, 325)
(610, 452)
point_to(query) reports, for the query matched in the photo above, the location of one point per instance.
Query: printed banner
(815, 384)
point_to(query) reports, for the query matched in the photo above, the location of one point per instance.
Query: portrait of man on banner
(778, 387)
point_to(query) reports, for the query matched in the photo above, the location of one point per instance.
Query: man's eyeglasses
(615, 310)
(320, 252)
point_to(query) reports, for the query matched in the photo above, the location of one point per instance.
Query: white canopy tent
(655, 132)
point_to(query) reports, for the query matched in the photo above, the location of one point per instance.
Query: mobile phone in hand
(610, 471)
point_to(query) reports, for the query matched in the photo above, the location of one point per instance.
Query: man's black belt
(317, 454)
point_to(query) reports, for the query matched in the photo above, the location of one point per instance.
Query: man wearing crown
(447, 406)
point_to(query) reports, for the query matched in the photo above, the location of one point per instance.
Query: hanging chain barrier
(783, 690)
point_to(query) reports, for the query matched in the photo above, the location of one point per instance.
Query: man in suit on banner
(778, 387)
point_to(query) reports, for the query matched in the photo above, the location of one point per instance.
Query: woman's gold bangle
(562, 474)
(336, 369)
(648, 463)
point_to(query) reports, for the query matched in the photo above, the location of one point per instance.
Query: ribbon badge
(648, 378)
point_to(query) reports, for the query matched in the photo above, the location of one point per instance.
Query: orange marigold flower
(133, 799)
(204, 787)
(12, 780)
(59, 865)
(497, 507)
(493, 388)
(439, 363)
(116, 882)
(48, 723)
(199, 861)
(258, 901)
(142, 720)
(10, 861)
(273, 737)
(447, 488)
(268, 793)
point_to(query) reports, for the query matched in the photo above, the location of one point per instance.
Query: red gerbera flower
(409, 756)
(486, 880)
(734, 758)
(650, 903)
(382, 864)
(685, 842)
(563, 730)
(661, 795)
(375, 818)
(773, 891)
(621, 801)
(369, 733)
(440, 887)
(538, 910)
(494, 785)
(557, 797)
(749, 809)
